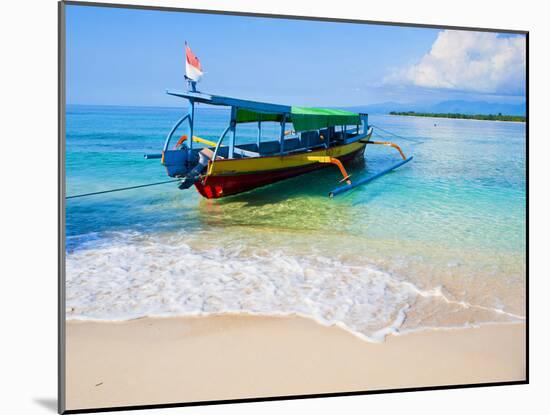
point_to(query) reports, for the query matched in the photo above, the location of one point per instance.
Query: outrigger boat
(317, 138)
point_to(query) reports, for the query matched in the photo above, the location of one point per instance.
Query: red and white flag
(193, 69)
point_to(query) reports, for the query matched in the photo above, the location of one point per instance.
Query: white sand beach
(189, 359)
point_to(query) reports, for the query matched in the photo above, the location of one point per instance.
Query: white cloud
(470, 61)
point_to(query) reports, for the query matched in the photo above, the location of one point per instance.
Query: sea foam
(147, 276)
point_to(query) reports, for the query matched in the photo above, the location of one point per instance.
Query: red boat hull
(214, 187)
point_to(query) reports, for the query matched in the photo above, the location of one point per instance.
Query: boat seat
(292, 144)
(337, 136)
(249, 147)
(314, 139)
(308, 138)
(270, 147)
(325, 133)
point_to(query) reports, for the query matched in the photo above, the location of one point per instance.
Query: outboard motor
(205, 155)
(176, 162)
(179, 164)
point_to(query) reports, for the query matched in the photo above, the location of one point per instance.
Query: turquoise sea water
(439, 242)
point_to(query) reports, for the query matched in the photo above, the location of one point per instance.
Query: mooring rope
(176, 180)
(121, 189)
(397, 135)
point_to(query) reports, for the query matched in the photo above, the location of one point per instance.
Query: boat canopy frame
(247, 111)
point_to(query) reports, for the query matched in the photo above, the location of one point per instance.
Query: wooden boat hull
(230, 177)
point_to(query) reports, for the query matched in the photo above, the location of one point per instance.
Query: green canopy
(244, 115)
(303, 118)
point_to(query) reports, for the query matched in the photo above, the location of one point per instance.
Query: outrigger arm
(386, 143)
(332, 160)
(351, 185)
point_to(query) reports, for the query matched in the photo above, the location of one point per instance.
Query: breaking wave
(138, 276)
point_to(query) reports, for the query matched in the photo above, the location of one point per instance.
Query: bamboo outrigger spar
(317, 138)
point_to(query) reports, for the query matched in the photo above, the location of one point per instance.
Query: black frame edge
(61, 404)
(527, 207)
(61, 211)
(292, 397)
(292, 17)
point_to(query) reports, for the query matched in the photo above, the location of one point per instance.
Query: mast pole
(233, 128)
(283, 133)
(259, 135)
(191, 123)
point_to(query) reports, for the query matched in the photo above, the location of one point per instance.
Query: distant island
(489, 117)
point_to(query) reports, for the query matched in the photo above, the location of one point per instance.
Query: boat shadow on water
(298, 203)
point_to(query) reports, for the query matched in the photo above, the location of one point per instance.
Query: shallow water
(439, 242)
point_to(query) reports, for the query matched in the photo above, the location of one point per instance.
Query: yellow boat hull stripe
(261, 164)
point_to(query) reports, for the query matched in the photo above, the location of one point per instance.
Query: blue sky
(130, 57)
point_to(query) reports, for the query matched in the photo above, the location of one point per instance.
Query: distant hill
(456, 106)
(490, 117)
(478, 107)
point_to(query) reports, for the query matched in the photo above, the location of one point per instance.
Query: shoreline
(190, 359)
(383, 334)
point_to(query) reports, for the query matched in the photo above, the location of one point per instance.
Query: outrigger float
(316, 138)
